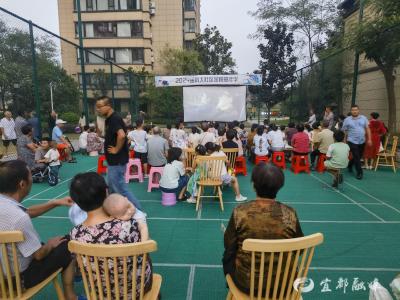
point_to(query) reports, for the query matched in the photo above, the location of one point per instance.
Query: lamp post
(51, 85)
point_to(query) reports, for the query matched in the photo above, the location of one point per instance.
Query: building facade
(371, 88)
(130, 33)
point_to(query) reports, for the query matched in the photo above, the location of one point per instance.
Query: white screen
(214, 103)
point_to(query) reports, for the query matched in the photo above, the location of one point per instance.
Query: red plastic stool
(278, 158)
(240, 165)
(300, 163)
(131, 154)
(101, 167)
(320, 163)
(261, 158)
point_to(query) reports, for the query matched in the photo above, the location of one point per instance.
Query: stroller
(44, 173)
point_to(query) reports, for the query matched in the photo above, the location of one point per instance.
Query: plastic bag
(378, 292)
(395, 285)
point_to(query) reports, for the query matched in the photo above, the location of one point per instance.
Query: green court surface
(360, 222)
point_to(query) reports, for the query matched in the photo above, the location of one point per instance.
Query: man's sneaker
(191, 200)
(241, 198)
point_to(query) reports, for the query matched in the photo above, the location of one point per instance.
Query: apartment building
(130, 33)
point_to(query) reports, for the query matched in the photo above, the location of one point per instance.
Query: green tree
(378, 37)
(277, 65)
(215, 52)
(16, 86)
(181, 62)
(308, 19)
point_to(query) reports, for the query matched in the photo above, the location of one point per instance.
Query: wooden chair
(111, 256)
(190, 156)
(386, 141)
(232, 154)
(282, 262)
(11, 287)
(210, 175)
(388, 156)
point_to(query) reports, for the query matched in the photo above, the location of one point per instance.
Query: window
(121, 81)
(188, 45)
(111, 29)
(117, 55)
(190, 25)
(138, 56)
(108, 5)
(190, 5)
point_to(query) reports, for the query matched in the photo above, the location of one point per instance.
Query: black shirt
(113, 124)
(229, 145)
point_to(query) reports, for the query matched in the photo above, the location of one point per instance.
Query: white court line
(347, 197)
(173, 265)
(373, 197)
(53, 187)
(225, 220)
(189, 293)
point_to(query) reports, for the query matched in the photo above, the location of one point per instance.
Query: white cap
(59, 121)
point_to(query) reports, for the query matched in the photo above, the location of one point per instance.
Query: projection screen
(214, 103)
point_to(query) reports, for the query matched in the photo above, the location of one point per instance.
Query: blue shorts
(182, 182)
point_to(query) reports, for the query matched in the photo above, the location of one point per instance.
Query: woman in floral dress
(89, 191)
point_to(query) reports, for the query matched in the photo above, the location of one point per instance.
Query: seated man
(36, 261)
(40, 161)
(322, 141)
(62, 143)
(157, 149)
(337, 157)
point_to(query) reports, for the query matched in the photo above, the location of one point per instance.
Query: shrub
(70, 117)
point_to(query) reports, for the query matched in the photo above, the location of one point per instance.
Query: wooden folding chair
(284, 263)
(232, 154)
(11, 287)
(388, 156)
(109, 258)
(210, 175)
(190, 155)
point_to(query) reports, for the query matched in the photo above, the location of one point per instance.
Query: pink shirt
(301, 142)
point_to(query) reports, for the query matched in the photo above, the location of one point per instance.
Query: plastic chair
(101, 167)
(153, 183)
(300, 163)
(168, 199)
(139, 175)
(320, 163)
(278, 159)
(240, 166)
(261, 158)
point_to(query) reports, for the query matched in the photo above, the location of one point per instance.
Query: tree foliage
(181, 62)
(277, 65)
(378, 38)
(215, 52)
(16, 86)
(310, 20)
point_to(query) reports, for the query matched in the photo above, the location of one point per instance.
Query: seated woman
(263, 218)
(261, 142)
(89, 190)
(94, 142)
(276, 139)
(227, 179)
(26, 147)
(174, 179)
(300, 141)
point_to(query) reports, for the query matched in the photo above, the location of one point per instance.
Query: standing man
(7, 128)
(116, 149)
(34, 121)
(356, 129)
(20, 121)
(329, 117)
(312, 119)
(51, 122)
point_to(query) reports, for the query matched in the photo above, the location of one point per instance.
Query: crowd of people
(107, 212)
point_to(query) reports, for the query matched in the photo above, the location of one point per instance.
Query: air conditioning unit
(152, 8)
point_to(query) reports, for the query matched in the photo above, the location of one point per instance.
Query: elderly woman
(89, 191)
(26, 147)
(263, 218)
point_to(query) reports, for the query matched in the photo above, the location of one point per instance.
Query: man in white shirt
(7, 127)
(276, 138)
(206, 136)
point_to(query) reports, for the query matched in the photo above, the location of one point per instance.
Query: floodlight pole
(82, 62)
(357, 59)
